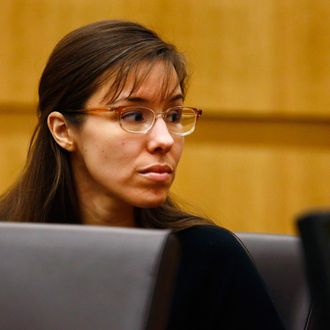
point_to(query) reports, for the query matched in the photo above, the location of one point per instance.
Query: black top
(218, 286)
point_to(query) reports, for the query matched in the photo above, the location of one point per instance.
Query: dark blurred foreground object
(314, 228)
(83, 277)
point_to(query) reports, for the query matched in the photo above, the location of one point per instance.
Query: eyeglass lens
(178, 120)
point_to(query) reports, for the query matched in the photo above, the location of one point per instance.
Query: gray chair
(279, 261)
(81, 277)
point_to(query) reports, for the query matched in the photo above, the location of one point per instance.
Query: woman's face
(127, 168)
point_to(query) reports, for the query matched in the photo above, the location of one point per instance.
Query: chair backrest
(279, 261)
(314, 229)
(82, 277)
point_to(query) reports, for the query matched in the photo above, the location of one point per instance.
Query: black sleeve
(218, 286)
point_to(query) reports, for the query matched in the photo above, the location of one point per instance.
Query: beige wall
(260, 70)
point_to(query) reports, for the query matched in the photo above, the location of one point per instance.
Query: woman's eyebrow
(177, 97)
(133, 99)
(138, 99)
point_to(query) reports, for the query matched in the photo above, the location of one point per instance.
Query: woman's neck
(102, 211)
(97, 207)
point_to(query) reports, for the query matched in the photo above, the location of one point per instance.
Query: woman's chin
(151, 203)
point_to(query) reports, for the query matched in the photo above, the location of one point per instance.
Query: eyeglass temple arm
(88, 110)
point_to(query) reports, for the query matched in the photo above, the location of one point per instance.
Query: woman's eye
(133, 116)
(174, 116)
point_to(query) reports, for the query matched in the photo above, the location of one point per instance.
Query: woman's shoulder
(206, 230)
(207, 234)
(210, 239)
(216, 267)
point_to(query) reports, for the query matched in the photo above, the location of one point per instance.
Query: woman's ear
(61, 131)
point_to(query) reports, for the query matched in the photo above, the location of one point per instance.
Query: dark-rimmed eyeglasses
(180, 120)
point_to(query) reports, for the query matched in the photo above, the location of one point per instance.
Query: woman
(110, 134)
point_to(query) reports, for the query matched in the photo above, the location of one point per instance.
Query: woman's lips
(157, 172)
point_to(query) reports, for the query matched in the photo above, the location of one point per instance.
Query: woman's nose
(160, 139)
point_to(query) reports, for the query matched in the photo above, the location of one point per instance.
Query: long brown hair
(80, 62)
